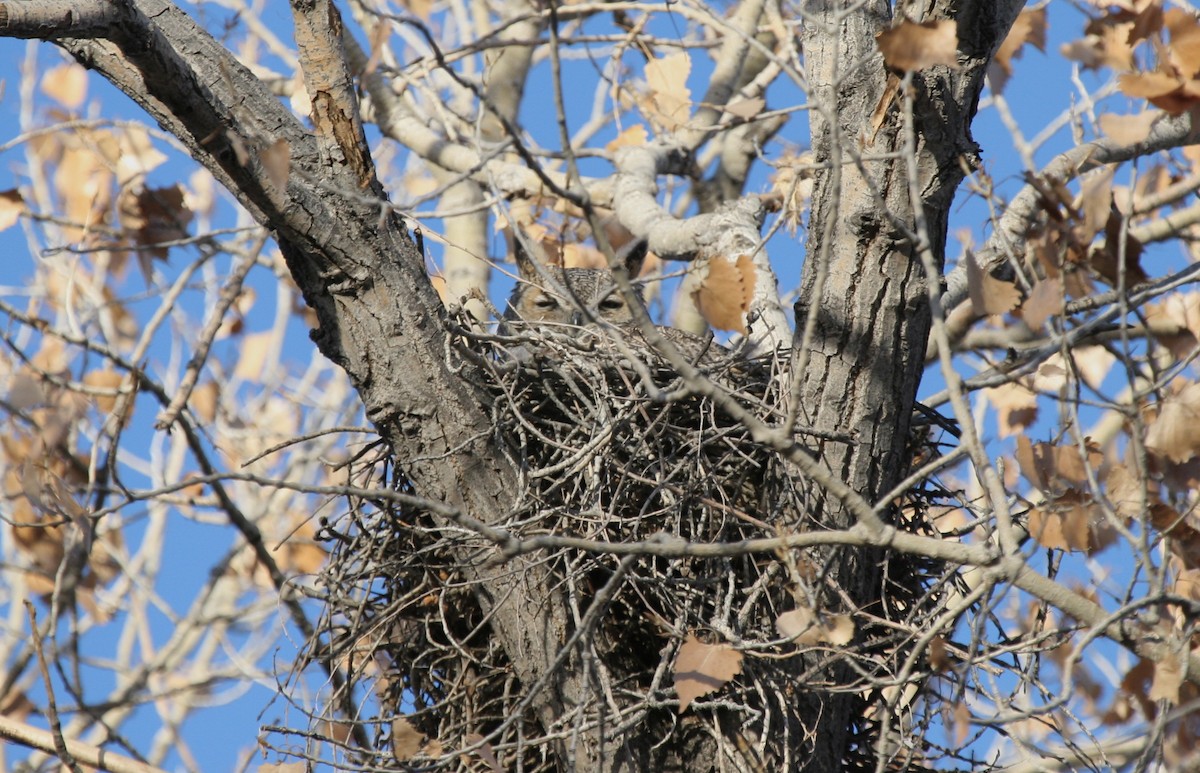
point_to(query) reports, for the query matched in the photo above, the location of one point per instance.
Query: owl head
(567, 299)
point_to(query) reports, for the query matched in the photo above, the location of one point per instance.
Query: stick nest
(613, 447)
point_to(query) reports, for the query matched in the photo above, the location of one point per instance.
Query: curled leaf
(916, 45)
(803, 626)
(1175, 434)
(703, 668)
(723, 295)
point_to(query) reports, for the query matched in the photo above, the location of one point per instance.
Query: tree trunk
(864, 302)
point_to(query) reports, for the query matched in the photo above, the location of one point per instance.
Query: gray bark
(871, 317)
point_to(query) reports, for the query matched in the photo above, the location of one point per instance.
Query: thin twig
(60, 743)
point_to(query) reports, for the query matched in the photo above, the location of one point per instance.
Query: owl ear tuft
(519, 247)
(635, 256)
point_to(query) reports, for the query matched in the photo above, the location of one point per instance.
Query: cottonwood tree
(445, 548)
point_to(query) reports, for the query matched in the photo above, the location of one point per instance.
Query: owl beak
(577, 318)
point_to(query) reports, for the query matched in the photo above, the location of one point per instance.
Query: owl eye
(545, 302)
(611, 303)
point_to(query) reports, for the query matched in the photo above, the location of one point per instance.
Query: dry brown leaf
(1148, 85)
(795, 622)
(889, 98)
(620, 237)
(25, 391)
(988, 294)
(916, 45)
(1016, 407)
(1147, 19)
(43, 545)
(839, 629)
(138, 155)
(1187, 584)
(106, 379)
(341, 732)
(303, 554)
(235, 322)
(201, 192)
(635, 136)
(1175, 434)
(154, 216)
(938, 658)
(1128, 129)
(1184, 48)
(194, 491)
(670, 100)
(66, 85)
(746, 108)
(418, 183)
(421, 8)
(1047, 530)
(406, 739)
(1175, 322)
(1185, 540)
(273, 423)
(1178, 477)
(12, 206)
(1120, 712)
(379, 35)
(1192, 154)
(1171, 93)
(723, 295)
(16, 705)
(1093, 364)
(1129, 496)
(1044, 301)
(1107, 43)
(277, 163)
(1054, 469)
(108, 145)
(443, 290)
(961, 723)
(282, 767)
(947, 519)
(582, 256)
(1050, 376)
(40, 490)
(1095, 202)
(1065, 523)
(1115, 263)
(703, 668)
(253, 359)
(1168, 677)
(793, 180)
(83, 180)
(1150, 182)
(1136, 684)
(1028, 29)
(804, 627)
(485, 752)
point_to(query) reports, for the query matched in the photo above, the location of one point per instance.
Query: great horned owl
(567, 300)
(571, 300)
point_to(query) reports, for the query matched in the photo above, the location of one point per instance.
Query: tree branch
(1024, 211)
(93, 756)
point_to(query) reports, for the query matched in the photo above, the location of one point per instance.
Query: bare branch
(101, 759)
